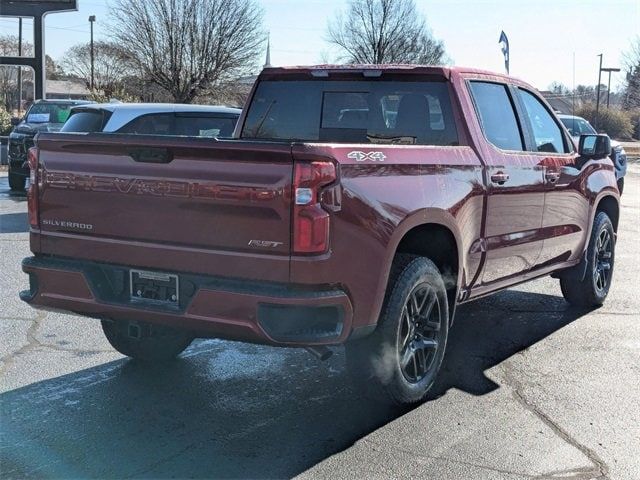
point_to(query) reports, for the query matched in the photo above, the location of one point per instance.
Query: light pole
(92, 19)
(20, 68)
(598, 94)
(609, 70)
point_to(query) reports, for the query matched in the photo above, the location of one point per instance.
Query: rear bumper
(259, 312)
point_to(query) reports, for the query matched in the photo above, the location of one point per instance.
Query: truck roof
(325, 69)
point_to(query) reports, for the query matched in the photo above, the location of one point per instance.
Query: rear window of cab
(332, 111)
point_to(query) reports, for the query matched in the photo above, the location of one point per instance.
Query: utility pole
(598, 94)
(573, 96)
(19, 68)
(92, 19)
(609, 70)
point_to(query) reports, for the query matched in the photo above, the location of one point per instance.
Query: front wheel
(144, 341)
(593, 289)
(621, 185)
(401, 359)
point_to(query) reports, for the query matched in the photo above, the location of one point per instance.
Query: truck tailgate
(167, 203)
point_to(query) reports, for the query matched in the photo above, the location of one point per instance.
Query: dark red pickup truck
(355, 205)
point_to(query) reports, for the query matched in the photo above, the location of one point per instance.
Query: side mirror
(15, 121)
(594, 146)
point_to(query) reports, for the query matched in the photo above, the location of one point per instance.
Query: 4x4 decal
(363, 156)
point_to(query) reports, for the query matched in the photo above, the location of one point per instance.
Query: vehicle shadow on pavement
(14, 223)
(5, 191)
(235, 410)
(488, 331)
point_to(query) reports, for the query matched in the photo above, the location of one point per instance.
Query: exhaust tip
(134, 331)
(321, 352)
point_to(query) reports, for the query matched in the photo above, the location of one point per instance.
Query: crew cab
(355, 205)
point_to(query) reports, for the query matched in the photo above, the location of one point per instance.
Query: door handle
(552, 177)
(500, 178)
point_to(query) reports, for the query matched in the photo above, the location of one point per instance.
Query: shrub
(616, 123)
(5, 122)
(634, 115)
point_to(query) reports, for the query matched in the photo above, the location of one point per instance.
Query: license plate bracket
(155, 287)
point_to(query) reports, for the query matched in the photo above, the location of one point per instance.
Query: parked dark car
(42, 116)
(355, 204)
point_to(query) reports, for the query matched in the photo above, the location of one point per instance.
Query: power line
(71, 28)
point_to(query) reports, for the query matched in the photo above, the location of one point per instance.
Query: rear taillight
(32, 193)
(310, 220)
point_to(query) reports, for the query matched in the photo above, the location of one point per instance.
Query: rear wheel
(401, 359)
(144, 341)
(17, 182)
(593, 289)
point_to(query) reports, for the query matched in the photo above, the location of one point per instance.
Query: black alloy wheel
(419, 335)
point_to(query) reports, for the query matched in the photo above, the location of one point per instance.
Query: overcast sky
(544, 35)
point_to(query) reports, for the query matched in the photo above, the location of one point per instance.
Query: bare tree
(385, 31)
(631, 57)
(187, 46)
(631, 89)
(559, 88)
(111, 65)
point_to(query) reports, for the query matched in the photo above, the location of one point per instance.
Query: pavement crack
(383, 449)
(20, 319)
(599, 469)
(32, 343)
(629, 314)
(149, 468)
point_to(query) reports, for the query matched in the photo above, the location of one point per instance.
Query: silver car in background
(153, 119)
(579, 126)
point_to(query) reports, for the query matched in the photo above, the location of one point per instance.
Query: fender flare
(424, 216)
(579, 271)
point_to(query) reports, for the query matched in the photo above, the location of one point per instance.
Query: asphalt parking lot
(531, 388)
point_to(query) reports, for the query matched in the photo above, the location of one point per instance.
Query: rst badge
(264, 244)
(364, 156)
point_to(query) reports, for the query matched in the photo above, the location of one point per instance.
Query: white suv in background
(153, 119)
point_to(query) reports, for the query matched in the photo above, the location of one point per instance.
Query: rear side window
(382, 112)
(497, 115)
(546, 132)
(182, 124)
(199, 126)
(86, 121)
(151, 124)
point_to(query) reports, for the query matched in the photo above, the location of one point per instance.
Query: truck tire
(144, 341)
(400, 360)
(592, 290)
(17, 182)
(621, 185)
